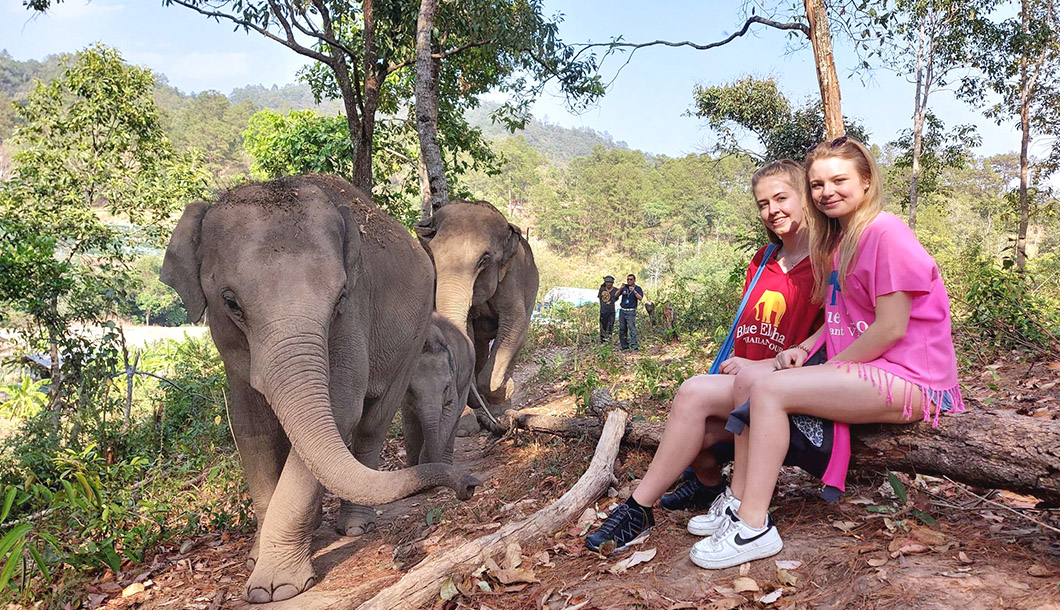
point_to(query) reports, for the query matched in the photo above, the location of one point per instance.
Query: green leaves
(758, 107)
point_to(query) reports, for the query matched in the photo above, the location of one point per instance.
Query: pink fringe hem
(883, 380)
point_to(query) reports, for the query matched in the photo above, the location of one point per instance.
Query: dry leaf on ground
(770, 598)
(1039, 571)
(745, 584)
(632, 560)
(786, 578)
(788, 564)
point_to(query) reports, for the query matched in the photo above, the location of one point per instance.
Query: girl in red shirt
(779, 314)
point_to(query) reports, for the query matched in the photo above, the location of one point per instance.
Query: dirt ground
(987, 550)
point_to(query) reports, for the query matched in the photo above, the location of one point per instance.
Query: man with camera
(630, 296)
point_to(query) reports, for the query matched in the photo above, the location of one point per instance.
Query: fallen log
(424, 581)
(993, 449)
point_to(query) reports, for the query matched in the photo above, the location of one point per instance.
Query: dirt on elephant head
(288, 193)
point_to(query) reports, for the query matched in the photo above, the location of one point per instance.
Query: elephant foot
(468, 424)
(275, 579)
(255, 548)
(355, 520)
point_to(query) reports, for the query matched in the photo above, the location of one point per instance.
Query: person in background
(608, 294)
(630, 295)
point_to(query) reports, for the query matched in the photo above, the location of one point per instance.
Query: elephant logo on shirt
(770, 308)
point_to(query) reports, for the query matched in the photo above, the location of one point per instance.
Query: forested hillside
(98, 158)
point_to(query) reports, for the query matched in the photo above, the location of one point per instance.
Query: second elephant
(486, 282)
(437, 393)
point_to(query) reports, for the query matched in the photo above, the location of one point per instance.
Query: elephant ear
(180, 268)
(425, 230)
(511, 247)
(352, 243)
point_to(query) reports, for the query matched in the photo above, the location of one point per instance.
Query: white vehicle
(570, 297)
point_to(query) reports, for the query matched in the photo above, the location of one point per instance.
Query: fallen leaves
(744, 584)
(635, 559)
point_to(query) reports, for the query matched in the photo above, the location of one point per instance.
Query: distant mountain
(559, 144)
(295, 96)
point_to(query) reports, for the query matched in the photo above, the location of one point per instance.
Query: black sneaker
(623, 526)
(690, 494)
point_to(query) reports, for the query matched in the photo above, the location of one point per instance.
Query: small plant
(583, 387)
(660, 379)
(25, 399)
(906, 506)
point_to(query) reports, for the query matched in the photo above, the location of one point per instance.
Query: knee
(695, 398)
(765, 396)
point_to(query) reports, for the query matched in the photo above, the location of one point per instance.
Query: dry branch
(994, 449)
(423, 582)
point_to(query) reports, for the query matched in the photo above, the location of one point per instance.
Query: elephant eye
(484, 260)
(231, 303)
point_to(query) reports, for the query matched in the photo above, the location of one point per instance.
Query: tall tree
(821, 40)
(924, 40)
(1018, 60)
(435, 190)
(89, 140)
(365, 50)
(759, 107)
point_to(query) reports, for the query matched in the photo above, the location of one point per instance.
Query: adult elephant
(318, 303)
(486, 282)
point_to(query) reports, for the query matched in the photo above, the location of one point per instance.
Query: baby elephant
(437, 393)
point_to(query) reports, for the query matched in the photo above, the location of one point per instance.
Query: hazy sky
(646, 106)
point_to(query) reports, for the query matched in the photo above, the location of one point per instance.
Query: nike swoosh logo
(740, 540)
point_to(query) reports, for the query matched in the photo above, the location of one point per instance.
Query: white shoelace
(714, 542)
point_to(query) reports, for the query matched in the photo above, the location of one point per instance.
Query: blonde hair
(794, 173)
(825, 233)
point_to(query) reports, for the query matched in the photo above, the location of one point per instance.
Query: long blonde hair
(794, 173)
(825, 233)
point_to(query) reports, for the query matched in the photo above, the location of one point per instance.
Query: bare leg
(698, 398)
(823, 391)
(741, 392)
(705, 464)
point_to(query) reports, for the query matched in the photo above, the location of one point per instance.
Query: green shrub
(1003, 310)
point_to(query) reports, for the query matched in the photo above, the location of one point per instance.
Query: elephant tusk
(493, 424)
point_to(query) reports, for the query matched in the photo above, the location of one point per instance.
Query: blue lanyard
(730, 341)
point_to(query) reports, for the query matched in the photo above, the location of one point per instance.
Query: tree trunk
(422, 583)
(919, 112)
(373, 77)
(1025, 142)
(436, 193)
(821, 39)
(991, 449)
(55, 374)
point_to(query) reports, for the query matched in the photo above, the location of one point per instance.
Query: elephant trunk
(453, 297)
(292, 372)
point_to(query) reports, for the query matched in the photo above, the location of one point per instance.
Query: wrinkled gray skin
(318, 304)
(487, 281)
(437, 393)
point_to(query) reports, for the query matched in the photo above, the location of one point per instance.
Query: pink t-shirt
(890, 259)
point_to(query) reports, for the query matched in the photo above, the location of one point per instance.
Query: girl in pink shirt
(887, 333)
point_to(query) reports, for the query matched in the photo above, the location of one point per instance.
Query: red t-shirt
(779, 313)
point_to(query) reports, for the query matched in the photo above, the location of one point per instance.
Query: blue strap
(730, 341)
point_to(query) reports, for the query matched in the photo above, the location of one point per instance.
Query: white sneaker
(736, 543)
(723, 506)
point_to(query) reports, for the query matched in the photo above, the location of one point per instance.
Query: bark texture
(435, 189)
(995, 449)
(821, 39)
